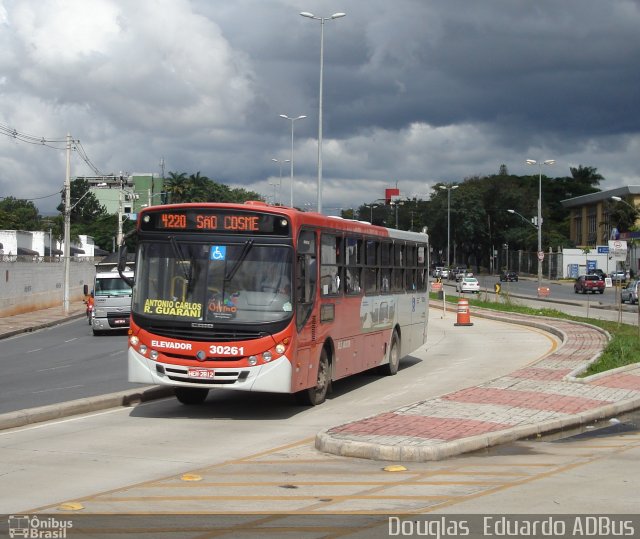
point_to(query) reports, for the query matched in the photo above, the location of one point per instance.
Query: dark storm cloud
(415, 91)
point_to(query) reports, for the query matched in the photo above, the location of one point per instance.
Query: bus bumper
(273, 377)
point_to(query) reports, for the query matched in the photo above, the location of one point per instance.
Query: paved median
(544, 397)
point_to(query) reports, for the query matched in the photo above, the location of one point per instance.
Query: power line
(30, 139)
(50, 143)
(37, 198)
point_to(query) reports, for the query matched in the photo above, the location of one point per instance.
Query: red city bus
(255, 297)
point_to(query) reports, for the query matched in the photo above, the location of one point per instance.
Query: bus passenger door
(307, 349)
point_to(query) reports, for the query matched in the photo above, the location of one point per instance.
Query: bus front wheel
(191, 395)
(391, 368)
(317, 395)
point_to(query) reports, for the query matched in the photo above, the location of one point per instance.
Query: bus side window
(371, 269)
(305, 287)
(352, 262)
(306, 276)
(331, 263)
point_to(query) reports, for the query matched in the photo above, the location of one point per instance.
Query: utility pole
(67, 226)
(120, 202)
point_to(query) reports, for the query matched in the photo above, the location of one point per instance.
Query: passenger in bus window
(353, 283)
(385, 281)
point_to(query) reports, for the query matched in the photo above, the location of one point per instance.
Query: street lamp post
(620, 199)
(540, 252)
(448, 189)
(279, 162)
(322, 21)
(397, 203)
(292, 120)
(371, 206)
(514, 212)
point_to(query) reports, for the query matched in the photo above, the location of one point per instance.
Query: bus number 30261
(226, 350)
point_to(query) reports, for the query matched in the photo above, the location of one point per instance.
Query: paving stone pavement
(540, 398)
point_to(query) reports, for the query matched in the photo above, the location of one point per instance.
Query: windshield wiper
(183, 262)
(243, 254)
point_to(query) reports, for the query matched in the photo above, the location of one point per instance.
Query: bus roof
(300, 218)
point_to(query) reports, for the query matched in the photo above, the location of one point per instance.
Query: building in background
(590, 221)
(126, 193)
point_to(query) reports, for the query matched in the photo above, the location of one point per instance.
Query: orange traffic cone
(464, 318)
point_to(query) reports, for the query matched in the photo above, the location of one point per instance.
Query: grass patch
(623, 348)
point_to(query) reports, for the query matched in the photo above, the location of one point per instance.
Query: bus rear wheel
(318, 394)
(391, 368)
(191, 395)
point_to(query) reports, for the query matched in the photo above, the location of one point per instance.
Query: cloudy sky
(415, 92)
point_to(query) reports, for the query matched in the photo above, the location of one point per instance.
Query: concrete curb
(439, 451)
(12, 333)
(130, 397)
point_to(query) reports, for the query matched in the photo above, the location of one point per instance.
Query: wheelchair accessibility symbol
(218, 252)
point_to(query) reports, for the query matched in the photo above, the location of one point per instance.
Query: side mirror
(122, 265)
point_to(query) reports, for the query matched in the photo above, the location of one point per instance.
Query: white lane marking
(56, 389)
(54, 368)
(34, 350)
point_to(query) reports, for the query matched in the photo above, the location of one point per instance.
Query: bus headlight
(154, 354)
(253, 360)
(143, 349)
(134, 340)
(266, 356)
(280, 348)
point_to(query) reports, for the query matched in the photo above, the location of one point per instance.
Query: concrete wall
(27, 286)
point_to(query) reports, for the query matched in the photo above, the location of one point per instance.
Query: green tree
(18, 214)
(198, 188)
(85, 207)
(176, 186)
(586, 175)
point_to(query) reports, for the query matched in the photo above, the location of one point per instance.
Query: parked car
(509, 276)
(468, 284)
(453, 273)
(629, 294)
(588, 283)
(458, 273)
(437, 272)
(619, 276)
(444, 273)
(599, 273)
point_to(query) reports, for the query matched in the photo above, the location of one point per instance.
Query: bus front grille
(206, 334)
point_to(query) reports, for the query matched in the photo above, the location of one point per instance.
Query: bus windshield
(214, 282)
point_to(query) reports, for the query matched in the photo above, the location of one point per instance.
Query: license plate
(119, 321)
(196, 372)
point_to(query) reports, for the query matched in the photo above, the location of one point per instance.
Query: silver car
(629, 294)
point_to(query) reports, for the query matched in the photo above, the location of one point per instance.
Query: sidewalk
(541, 398)
(31, 321)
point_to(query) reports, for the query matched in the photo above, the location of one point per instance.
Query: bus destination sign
(215, 221)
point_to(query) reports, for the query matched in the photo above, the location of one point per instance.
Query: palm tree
(197, 187)
(176, 186)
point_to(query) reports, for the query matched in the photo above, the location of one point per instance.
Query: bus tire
(318, 394)
(391, 368)
(191, 395)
